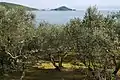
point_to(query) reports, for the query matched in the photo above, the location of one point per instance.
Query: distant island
(12, 5)
(63, 8)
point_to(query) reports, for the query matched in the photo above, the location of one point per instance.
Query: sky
(77, 4)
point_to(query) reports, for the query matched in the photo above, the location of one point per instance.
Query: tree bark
(54, 64)
(60, 62)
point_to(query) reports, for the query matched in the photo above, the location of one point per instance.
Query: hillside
(12, 5)
(63, 8)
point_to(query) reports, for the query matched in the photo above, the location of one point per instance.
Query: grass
(46, 71)
(51, 74)
(49, 65)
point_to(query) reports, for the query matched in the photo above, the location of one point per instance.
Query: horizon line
(75, 7)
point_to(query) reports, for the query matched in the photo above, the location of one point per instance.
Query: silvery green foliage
(93, 41)
(16, 28)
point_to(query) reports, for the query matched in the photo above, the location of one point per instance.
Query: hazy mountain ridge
(63, 8)
(12, 5)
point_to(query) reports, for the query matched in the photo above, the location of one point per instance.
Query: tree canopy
(93, 41)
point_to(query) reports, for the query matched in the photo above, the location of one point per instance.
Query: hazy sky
(69, 3)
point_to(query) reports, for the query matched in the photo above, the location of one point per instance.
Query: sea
(62, 17)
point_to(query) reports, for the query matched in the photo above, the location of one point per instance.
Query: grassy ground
(50, 74)
(49, 65)
(47, 72)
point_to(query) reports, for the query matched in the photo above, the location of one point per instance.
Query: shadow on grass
(51, 74)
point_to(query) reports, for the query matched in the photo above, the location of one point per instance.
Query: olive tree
(16, 28)
(93, 40)
(52, 43)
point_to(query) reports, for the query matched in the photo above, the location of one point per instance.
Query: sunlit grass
(49, 65)
(46, 65)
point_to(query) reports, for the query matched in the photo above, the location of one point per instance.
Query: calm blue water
(60, 17)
